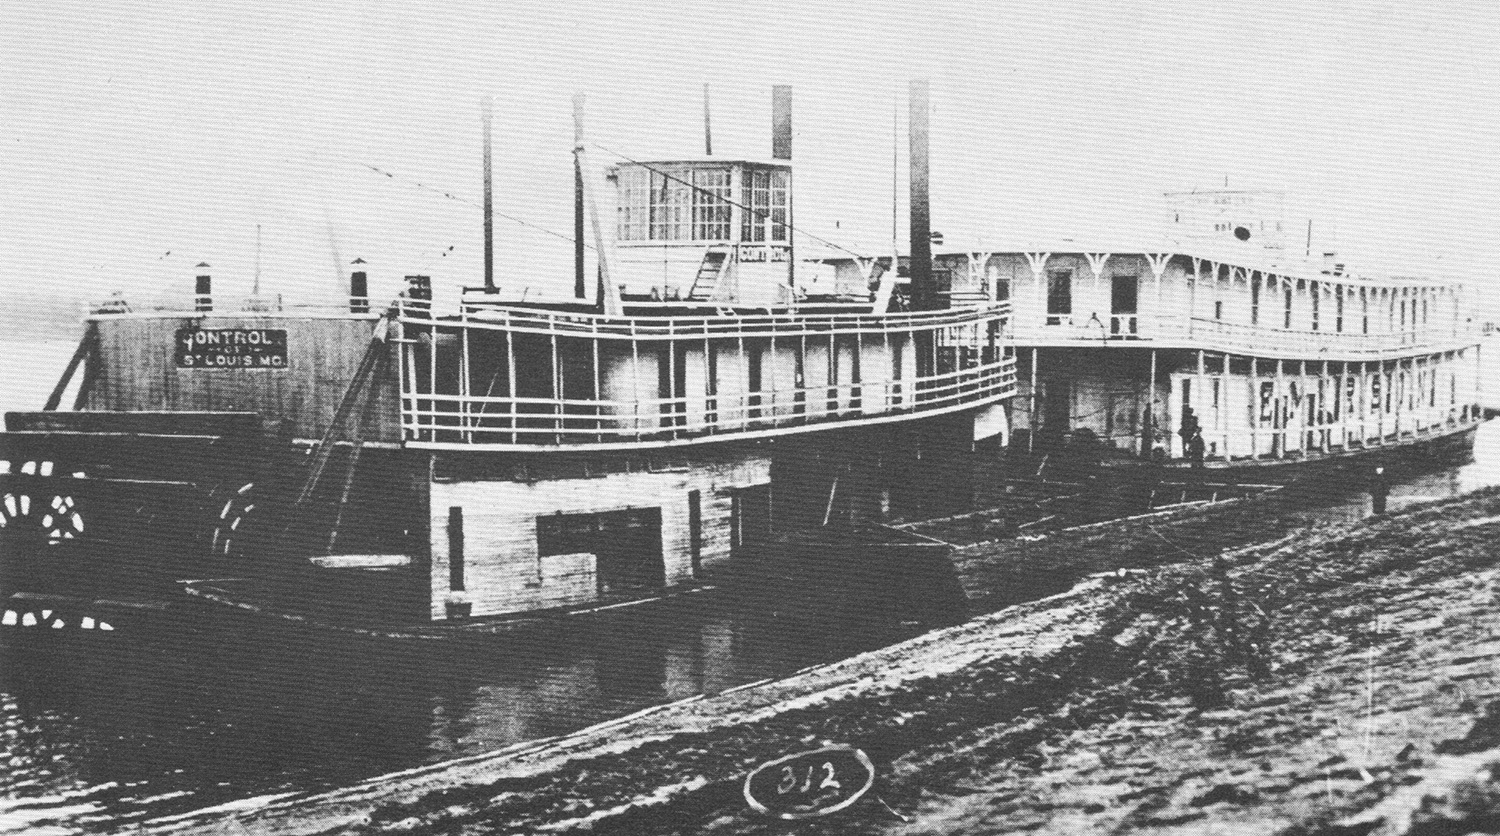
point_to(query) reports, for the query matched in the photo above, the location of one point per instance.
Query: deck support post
(510, 372)
(463, 377)
(1031, 419)
(1279, 414)
(1151, 410)
(598, 387)
(557, 393)
(1254, 410)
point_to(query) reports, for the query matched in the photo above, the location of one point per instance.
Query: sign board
(810, 784)
(231, 348)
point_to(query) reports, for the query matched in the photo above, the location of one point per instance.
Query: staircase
(709, 272)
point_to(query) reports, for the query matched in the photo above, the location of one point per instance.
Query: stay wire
(451, 196)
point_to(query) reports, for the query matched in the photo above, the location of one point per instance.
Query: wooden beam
(86, 347)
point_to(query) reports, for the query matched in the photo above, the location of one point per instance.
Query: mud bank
(1343, 680)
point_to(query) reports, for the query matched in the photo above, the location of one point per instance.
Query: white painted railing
(227, 305)
(515, 422)
(777, 323)
(1219, 335)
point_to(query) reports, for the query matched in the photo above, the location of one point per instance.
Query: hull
(1448, 448)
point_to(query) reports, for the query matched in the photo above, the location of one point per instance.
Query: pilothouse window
(765, 198)
(673, 204)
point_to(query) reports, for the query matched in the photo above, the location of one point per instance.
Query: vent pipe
(923, 290)
(781, 122)
(359, 289)
(203, 300)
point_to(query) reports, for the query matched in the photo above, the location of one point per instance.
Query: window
(1059, 292)
(1286, 321)
(1316, 294)
(675, 204)
(766, 198)
(634, 185)
(711, 205)
(1255, 300)
(671, 201)
(1219, 309)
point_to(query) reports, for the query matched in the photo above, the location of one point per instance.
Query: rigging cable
(451, 196)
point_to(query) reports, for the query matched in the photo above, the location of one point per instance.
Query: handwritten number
(807, 785)
(828, 780)
(788, 780)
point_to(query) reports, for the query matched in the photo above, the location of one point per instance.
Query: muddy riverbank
(1339, 679)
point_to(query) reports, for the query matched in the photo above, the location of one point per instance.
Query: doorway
(1124, 295)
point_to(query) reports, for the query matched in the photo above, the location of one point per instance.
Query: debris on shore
(1345, 680)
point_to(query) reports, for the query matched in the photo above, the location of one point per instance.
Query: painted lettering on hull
(231, 348)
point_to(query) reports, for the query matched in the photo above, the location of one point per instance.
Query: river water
(97, 739)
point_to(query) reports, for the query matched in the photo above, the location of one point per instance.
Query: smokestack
(489, 225)
(781, 122)
(708, 129)
(359, 289)
(203, 289)
(923, 290)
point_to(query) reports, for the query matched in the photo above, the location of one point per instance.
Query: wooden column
(1278, 414)
(1151, 408)
(510, 376)
(1031, 432)
(1254, 409)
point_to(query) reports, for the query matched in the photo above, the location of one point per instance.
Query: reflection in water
(150, 728)
(97, 737)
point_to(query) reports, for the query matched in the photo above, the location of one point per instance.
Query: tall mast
(609, 297)
(255, 292)
(489, 226)
(895, 181)
(580, 286)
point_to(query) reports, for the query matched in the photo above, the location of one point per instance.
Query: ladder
(709, 271)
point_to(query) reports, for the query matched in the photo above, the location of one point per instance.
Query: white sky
(128, 130)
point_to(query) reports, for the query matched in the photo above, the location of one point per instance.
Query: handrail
(1218, 334)
(227, 305)
(505, 421)
(788, 323)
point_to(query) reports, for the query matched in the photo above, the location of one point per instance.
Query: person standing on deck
(1379, 489)
(1192, 437)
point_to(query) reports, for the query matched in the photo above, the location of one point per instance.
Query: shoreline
(1128, 701)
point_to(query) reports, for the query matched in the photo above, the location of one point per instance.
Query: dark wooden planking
(186, 423)
(137, 371)
(195, 458)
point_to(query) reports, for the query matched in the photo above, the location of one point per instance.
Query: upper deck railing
(1177, 331)
(774, 323)
(479, 422)
(271, 305)
(609, 375)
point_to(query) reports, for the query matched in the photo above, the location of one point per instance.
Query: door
(628, 548)
(1123, 297)
(749, 519)
(1057, 407)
